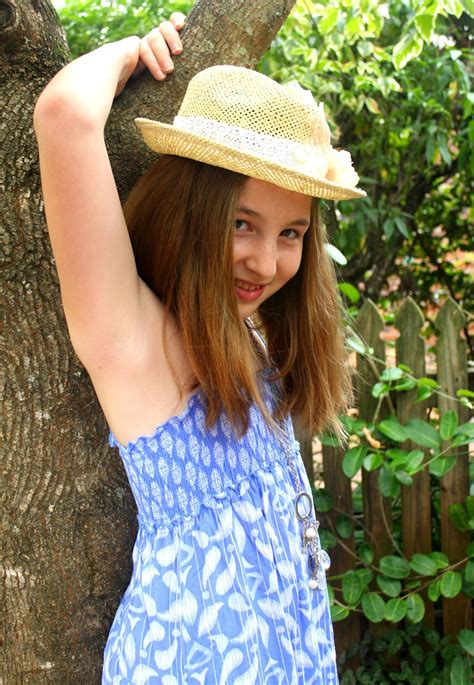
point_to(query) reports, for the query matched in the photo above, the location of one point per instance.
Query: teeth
(249, 288)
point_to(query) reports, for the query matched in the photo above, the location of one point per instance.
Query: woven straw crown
(241, 120)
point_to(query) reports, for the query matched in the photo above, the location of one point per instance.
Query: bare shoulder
(138, 383)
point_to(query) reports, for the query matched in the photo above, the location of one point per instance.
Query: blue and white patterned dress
(219, 592)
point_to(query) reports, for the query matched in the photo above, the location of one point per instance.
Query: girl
(219, 248)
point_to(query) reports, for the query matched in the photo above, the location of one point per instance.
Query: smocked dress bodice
(219, 590)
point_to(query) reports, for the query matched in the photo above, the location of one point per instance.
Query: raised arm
(103, 297)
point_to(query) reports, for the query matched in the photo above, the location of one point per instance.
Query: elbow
(56, 111)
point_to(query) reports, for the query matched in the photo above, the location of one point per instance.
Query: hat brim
(172, 140)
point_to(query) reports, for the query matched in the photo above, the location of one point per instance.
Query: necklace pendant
(311, 531)
(313, 584)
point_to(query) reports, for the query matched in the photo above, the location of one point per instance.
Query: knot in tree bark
(8, 16)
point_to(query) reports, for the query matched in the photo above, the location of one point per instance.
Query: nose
(263, 260)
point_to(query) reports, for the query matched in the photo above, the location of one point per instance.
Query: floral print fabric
(219, 592)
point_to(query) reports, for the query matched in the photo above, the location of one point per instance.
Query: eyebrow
(252, 212)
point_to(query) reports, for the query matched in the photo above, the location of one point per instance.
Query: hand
(157, 47)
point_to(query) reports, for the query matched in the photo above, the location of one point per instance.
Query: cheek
(238, 252)
(290, 266)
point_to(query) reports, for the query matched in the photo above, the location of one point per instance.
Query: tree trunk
(68, 512)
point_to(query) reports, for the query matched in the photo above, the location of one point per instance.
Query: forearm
(84, 90)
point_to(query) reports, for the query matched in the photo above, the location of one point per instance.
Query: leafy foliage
(90, 23)
(408, 123)
(414, 655)
(396, 588)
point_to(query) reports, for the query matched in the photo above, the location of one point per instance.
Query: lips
(248, 291)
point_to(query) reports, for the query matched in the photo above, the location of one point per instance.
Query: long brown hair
(181, 218)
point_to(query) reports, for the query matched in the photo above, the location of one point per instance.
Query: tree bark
(69, 517)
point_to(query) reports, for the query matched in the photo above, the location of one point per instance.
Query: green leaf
(434, 590)
(352, 462)
(423, 433)
(330, 440)
(401, 226)
(352, 294)
(344, 526)
(393, 430)
(394, 567)
(416, 652)
(403, 477)
(390, 587)
(357, 345)
(460, 672)
(469, 571)
(423, 393)
(352, 588)
(395, 610)
(459, 516)
(466, 640)
(426, 382)
(470, 505)
(328, 540)
(449, 423)
(392, 374)
(416, 608)
(453, 7)
(373, 607)
(468, 6)
(372, 105)
(338, 613)
(439, 467)
(425, 26)
(388, 484)
(407, 49)
(465, 429)
(450, 584)
(423, 564)
(322, 499)
(406, 384)
(329, 21)
(464, 393)
(335, 254)
(388, 228)
(414, 461)
(440, 559)
(366, 576)
(366, 553)
(470, 550)
(380, 390)
(443, 148)
(372, 461)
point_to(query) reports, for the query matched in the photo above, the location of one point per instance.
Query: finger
(160, 49)
(149, 59)
(178, 19)
(171, 36)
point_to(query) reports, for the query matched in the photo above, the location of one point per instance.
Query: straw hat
(241, 120)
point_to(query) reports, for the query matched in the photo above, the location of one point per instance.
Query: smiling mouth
(248, 291)
(242, 285)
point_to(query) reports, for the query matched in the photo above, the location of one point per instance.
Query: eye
(241, 225)
(290, 233)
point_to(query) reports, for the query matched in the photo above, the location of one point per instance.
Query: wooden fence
(416, 502)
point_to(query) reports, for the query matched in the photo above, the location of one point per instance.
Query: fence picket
(348, 631)
(452, 375)
(377, 511)
(416, 498)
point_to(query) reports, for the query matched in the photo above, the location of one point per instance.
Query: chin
(246, 311)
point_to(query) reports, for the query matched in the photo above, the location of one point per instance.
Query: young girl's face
(270, 223)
